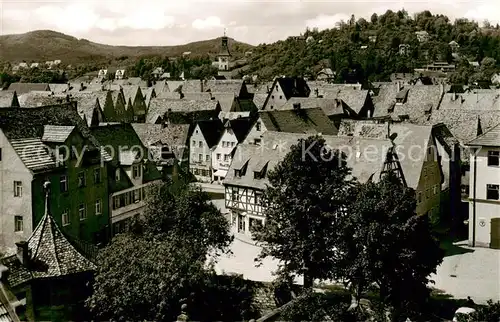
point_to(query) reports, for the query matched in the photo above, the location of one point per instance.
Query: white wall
(195, 150)
(276, 98)
(254, 134)
(12, 169)
(230, 143)
(485, 209)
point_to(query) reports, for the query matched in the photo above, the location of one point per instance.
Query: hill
(359, 50)
(43, 45)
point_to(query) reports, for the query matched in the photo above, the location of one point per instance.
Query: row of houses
(49, 64)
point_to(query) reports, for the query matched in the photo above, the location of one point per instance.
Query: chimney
(23, 252)
(398, 86)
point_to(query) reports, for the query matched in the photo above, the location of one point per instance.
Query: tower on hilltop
(224, 54)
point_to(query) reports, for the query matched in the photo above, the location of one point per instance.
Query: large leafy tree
(386, 244)
(144, 274)
(306, 192)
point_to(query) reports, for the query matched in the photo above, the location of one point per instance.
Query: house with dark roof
(298, 120)
(88, 105)
(203, 140)
(51, 143)
(247, 177)
(168, 145)
(136, 105)
(235, 132)
(131, 172)
(8, 98)
(484, 193)
(283, 89)
(22, 88)
(180, 111)
(428, 163)
(48, 270)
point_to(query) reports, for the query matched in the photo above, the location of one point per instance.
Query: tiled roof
(240, 127)
(228, 86)
(173, 135)
(59, 88)
(7, 311)
(354, 98)
(385, 99)
(22, 88)
(233, 115)
(7, 98)
(20, 124)
(148, 93)
(159, 106)
(212, 131)
(56, 133)
(262, 88)
(310, 120)
(408, 137)
(161, 87)
(192, 86)
(464, 124)
(37, 99)
(330, 106)
(259, 99)
(245, 105)
(87, 102)
(130, 92)
(52, 254)
(226, 100)
(275, 146)
(172, 95)
(293, 87)
(177, 85)
(34, 153)
(488, 138)
(473, 99)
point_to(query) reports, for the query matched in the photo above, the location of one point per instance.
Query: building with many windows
(484, 192)
(203, 140)
(54, 144)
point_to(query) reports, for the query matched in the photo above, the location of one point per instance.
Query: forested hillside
(341, 48)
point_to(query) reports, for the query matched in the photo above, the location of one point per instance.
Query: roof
(56, 133)
(51, 250)
(330, 106)
(159, 106)
(226, 100)
(488, 138)
(275, 146)
(87, 102)
(52, 255)
(240, 127)
(130, 92)
(22, 88)
(22, 125)
(59, 88)
(7, 98)
(37, 99)
(161, 86)
(311, 120)
(472, 99)
(228, 86)
(355, 99)
(33, 153)
(174, 136)
(259, 99)
(212, 131)
(293, 87)
(408, 137)
(148, 94)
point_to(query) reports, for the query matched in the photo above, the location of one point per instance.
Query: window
(277, 88)
(428, 193)
(234, 195)
(226, 157)
(116, 202)
(218, 156)
(237, 173)
(194, 142)
(492, 191)
(65, 218)
(200, 144)
(18, 223)
(257, 126)
(98, 207)
(435, 189)
(257, 198)
(272, 96)
(81, 179)
(117, 175)
(136, 171)
(0, 154)
(493, 158)
(419, 197)
(232, 144)
(281, 97)
(256, 141)
(82, 213)
(200, 157)
(207, 157)
(258, 175)
(97, 175)
(63, 183)
(137, 195)
(18, 189)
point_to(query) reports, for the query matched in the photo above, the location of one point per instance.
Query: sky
(174, 22)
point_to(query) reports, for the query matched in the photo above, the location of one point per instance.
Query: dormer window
(238, 173)
(402, 96)
(136, 171)
(257, 126)
(259, 174)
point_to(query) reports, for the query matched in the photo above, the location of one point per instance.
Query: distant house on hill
(422, 36)
(326, 74)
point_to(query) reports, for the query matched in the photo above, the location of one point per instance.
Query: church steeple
(224, 53)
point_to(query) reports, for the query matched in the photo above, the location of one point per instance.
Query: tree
(185, 212)
(143, 274)
(385, 243)
(306, 192)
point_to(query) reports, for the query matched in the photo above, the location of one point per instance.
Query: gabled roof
(226, 100)
(175, 136)
(37, 99)
(227, 86)
(159, 106)
(130, 92)
(22, 88)
(260, 99)
(33, 153)
(7, 98)
(86, 103)
(309, 120)
(56, 133)
(354, 98)
(488, 138)
(472, 99)
(293, 86)
(240, 127)
(59, 88)
(330, 106)
(275, 146)
(408, 137)
(212, 131)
